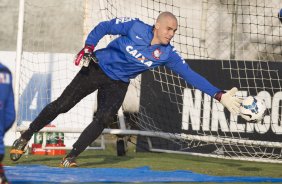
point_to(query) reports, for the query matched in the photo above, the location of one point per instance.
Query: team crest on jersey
(157, 53)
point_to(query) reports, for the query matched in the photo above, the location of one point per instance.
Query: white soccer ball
(252, 109)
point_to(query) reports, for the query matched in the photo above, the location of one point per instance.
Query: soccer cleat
(68, 162)
(18, 149)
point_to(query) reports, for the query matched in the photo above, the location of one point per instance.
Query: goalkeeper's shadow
(106, 159)
(39, 159)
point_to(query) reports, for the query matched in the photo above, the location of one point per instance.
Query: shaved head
(166, 15)
(165, 28)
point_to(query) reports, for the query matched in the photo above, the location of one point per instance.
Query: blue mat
(40, 174)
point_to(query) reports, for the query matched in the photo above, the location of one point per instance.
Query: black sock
(27, 134)
(73, 153)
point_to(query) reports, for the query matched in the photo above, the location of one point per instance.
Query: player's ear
(157, 25)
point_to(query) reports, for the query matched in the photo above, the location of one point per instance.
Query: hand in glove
(229, 100)
(84, 56)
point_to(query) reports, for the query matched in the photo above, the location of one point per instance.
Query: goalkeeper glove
(229, 100)
(84, 56)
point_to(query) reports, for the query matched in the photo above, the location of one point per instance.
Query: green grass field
(157, 161)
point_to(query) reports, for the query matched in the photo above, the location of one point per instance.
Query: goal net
(230, 42)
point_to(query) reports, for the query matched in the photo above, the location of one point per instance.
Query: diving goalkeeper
(139, 47)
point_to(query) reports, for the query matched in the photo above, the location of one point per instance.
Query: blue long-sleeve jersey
(132, 53)
(7, 109)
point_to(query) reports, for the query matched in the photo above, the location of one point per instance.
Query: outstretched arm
(179, 66)
(228, 100)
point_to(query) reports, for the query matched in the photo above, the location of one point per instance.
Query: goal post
(230, 42)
